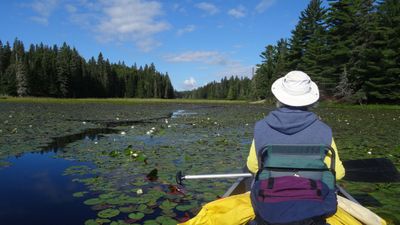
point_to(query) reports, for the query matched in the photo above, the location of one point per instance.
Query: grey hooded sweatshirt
(288, 125)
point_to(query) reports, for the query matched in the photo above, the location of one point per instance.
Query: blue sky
(196, 42)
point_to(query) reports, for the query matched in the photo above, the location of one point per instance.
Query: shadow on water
(92, 133)
(95, 133)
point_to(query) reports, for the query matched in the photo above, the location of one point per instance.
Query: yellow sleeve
(252, 162)
(340, 171)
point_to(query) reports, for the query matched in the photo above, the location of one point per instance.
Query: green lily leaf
(167, 205)
(151, 222)
(79, 194)
(166, 220)
(91, 222)
(136, 216)
(93, 201)
(108, 213)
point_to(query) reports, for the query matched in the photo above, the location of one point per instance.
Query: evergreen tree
(263, 78)
(63, 71)
(385, 86)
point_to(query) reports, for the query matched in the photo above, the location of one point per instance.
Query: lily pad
(93, 201)
(166, 220)
(151, 222)
(167, 205)
(91, 222)
(136, 216)
(127, 209)
(108, 213)
(185, 207)
(79, 194)
(101, 221)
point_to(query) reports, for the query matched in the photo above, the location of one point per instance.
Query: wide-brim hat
(295, 89)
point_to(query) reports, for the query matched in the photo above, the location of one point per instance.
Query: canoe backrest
(298, 160)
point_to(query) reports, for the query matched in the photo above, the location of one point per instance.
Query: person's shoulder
(322, 124)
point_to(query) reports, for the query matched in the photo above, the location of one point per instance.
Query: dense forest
(61, 72)
(350, 49)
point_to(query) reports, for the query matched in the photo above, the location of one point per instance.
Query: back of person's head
(295, 89)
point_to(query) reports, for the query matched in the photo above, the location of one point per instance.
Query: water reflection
(32, 191)
(182, 112)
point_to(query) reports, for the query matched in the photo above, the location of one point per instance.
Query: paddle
(361, 170)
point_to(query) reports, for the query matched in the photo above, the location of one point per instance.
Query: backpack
(294, 186)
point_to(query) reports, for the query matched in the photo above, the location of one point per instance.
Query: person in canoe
(295, 164)
(285, 144)
(291, 122)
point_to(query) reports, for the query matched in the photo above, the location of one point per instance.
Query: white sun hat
(295, 89)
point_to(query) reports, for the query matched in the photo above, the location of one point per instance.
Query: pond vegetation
(135, 150)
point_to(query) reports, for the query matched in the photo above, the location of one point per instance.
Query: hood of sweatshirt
(289, 120)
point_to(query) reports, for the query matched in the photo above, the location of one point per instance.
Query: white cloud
(123, 20)
(264, 5)
(209, 8)
(238, 12)
(208, 57)
(236, 68)
(190, 83)
(44, 9)
(187, 29)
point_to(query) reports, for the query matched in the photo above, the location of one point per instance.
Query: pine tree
(63, 72)
(385, 86)
(263, 78)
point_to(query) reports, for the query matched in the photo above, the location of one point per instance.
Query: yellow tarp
(237, 210)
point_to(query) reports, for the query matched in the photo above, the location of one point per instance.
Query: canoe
(345, 202)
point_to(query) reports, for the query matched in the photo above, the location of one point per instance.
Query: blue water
(34, 191)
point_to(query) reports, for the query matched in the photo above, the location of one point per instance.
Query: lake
(90, 163)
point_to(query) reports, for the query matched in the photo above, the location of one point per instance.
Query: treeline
(232, 89)
(350, 49)
(61, 72)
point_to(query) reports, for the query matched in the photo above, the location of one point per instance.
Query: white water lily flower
(215, 123)
(169, 125)
(123, 133)
(117, 118)
(247, 124)
(134, 154)
(10, 116)
(148, 132)
(369, 153)
(95, 142)
(132, 127)
(166, 121)
(139, 191)
(208, 118)
(153, 128)
(30, 126)
(84, 122)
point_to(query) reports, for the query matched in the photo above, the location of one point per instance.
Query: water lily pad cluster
(203, 139)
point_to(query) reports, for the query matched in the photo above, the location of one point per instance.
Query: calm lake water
(33, 191)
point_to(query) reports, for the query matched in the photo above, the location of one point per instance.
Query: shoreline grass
(116, 100)
(322, 104)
